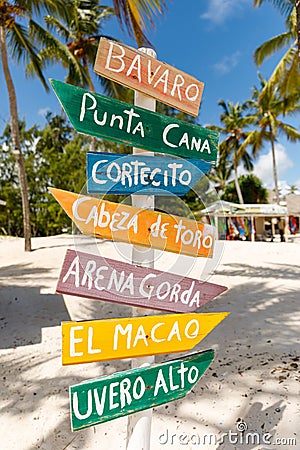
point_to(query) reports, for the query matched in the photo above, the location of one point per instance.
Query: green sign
(102, 399)
(107, 118)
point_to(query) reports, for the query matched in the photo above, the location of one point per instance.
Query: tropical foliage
(252, 189)
(267, 108)
(54, 156)
(234, 122)
(16, 25)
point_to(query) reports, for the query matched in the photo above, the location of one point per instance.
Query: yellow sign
(100, 340)
(124, 223)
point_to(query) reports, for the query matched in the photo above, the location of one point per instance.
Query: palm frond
(272, 46)
(55, 24)
(22, 49)
(290, 132)
(284, 6)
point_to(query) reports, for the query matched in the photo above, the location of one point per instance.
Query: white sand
(255, 376)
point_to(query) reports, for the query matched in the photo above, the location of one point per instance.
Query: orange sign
(124, 223)
(141, 72)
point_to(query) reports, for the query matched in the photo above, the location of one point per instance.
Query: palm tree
(15, 37)
(286, 73)
(234, 122)
(220, 174)
(267, 106)
(135, 14)
(293, 189)
(79, 29)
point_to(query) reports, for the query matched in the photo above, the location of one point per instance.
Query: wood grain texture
(106, 398)
(111, 119)
(139, 174)
(119, 282)
(137, 70)
(123, 223)
(102, 340)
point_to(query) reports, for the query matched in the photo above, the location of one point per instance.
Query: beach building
(253, 222)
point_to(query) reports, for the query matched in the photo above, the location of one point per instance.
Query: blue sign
(142, 174)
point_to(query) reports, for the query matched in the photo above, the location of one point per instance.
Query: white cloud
(227, 63)
(263, 168)
(43, 111)
(220, 10)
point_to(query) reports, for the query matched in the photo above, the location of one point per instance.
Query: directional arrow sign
(99, 278)
(101, 340)
(101, 399)
(124, 223)
(129, 174)
(117, 121)
(139, 71)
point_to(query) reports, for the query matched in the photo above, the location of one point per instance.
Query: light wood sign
(106, 118)
(101, 340)
(137, 70)
(100, 278)
(141, 174)
(101, 399)
(124, 223)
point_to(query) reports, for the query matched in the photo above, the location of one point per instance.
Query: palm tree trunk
(17, 151)
(237, 187)
(236, 178)
(274, 165)
(297, 3)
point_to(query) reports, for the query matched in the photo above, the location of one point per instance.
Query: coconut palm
(16, 22)
(286, 73)
(79, 30)
(221, 174)
(234, 123)
(293, 189)
(267, 106)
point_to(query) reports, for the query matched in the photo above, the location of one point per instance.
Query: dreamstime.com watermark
(241, 436)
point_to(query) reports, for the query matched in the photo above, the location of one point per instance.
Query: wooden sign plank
(106, 398)
(101, 340)
(106, 118)
(139, 174)
(141, 72)
(100, 278)
(124, 223)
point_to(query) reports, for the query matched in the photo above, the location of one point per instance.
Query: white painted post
(216, 218)
(139, 424)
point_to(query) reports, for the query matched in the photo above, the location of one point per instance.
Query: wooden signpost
(106, 118)
(124, 223)
(139, 174)
(102, 340)
(99, 278)
(137, 70)
(102, 399)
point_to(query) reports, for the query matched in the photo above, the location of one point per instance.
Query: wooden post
(139, 424)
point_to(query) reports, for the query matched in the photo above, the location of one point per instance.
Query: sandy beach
(251, 391)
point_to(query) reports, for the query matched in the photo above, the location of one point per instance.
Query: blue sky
(212, 40)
